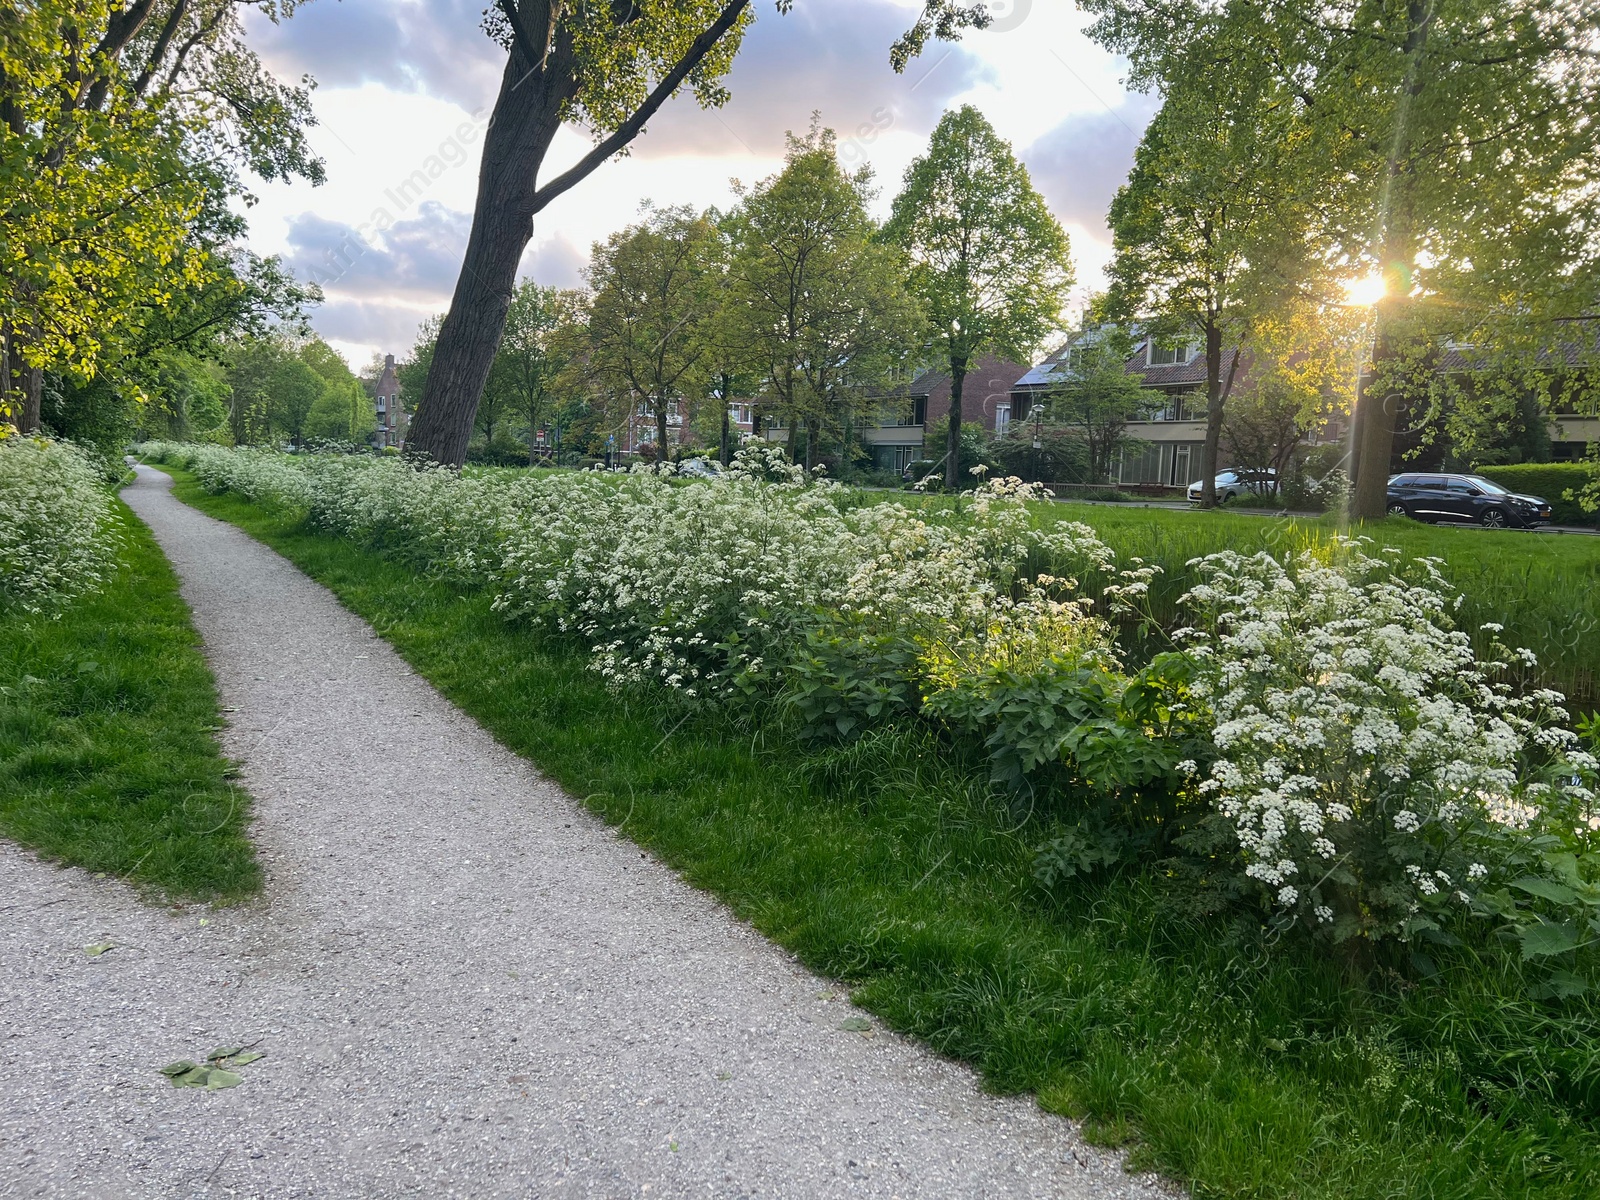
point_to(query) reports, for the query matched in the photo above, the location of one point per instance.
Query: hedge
(1550, 480)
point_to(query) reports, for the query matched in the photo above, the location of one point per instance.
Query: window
(1002, 419)
(919, 410)
(1167, 356)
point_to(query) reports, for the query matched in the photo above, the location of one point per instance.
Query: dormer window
(1168, 356)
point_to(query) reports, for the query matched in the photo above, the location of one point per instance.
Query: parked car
(1426, 496)
(1232, 484)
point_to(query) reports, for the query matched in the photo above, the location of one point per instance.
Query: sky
(404, 88)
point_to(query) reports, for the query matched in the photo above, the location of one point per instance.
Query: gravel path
(464, 984)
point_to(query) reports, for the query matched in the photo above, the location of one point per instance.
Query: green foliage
(1559, 483)
(1238, 1066)
(989, 262)
(122, 134)
(655, 286)
(1096, 399)
(820, 305)
(108, 754)
(848, 677)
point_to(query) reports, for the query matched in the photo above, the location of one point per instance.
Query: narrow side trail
(464, 984)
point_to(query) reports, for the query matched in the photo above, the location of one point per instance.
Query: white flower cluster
(58, 529)
(703, 586)
(1365, 756)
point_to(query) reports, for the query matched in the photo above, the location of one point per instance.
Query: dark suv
(1425, 496)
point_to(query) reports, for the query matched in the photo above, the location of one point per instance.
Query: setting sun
(1363, 293)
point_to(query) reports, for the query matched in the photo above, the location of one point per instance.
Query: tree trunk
(21, 386)
(1373, 441)
(813, 431)
(952, 462)
(1369, 498)
(727, 433)
(1214, 400)
(502, 223)
(661, 433)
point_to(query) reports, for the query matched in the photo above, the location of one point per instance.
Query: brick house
(899, 437)
(392, 419)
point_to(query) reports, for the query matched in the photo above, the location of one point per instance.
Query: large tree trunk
(1369, 498)
(502, 223)
(952, 462)
(1373, 439)
(1214, 402)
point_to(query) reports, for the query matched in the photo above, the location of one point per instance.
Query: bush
(57, 539)
(1376, 777)
(1324, 744)
(1552, 481)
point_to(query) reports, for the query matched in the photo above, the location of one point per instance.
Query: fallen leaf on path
(99, 948)
(856, 1025)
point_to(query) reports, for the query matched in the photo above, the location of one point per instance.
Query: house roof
(1055, 369)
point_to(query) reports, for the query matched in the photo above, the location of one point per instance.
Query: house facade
(392, 419)
(900, 436)
(1171, 438)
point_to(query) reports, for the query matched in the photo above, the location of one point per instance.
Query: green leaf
(99, 948)
(1545, 889)
(223, 1052)
(173, 1070)
(218, 1078)
(246, 1058)
(856, 1025)
(1563, 985)
(1547, 938)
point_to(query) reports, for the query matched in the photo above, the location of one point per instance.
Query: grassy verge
(1544, 588)
(1245, 1069)
(108, 758)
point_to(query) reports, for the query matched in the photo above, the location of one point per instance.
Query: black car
(1426, 496)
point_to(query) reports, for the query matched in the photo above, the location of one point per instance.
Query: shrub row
(1321, 745)
(1553, 481)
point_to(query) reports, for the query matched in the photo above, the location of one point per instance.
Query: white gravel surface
(464, 984)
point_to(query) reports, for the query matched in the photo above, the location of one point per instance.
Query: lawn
(1544, 588)
(1242, 1068)
(108, 751)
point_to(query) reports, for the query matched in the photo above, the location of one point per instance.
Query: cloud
(827, 55)
(368, 326)
(415, 259)
(1079, 165)
(555, 262)
(433, 46)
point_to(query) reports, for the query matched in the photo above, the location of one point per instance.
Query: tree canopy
(989, 261)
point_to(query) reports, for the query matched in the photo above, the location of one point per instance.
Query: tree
(273, 390)
(818, 300)
(610, 68)
(990, 262)
(342, 412)
(128, 122)
(1450, 146)
(1207, 229)
(532, 354)
(652, 293)
(1098, 398)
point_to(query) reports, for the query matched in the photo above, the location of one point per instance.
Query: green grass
(1242, 1068)
(1544, 588)
(108, 758)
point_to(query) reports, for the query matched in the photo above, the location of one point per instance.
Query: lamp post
(1038, 436)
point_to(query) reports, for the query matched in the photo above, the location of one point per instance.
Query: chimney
(388, 361)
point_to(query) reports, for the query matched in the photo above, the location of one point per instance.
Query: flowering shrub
(1323, 735)
(1372, 773)
(57, 525)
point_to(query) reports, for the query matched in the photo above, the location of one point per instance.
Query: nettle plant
(1375, 777)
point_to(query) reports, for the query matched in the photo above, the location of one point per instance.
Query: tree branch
(630, 128)
(163, 43)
